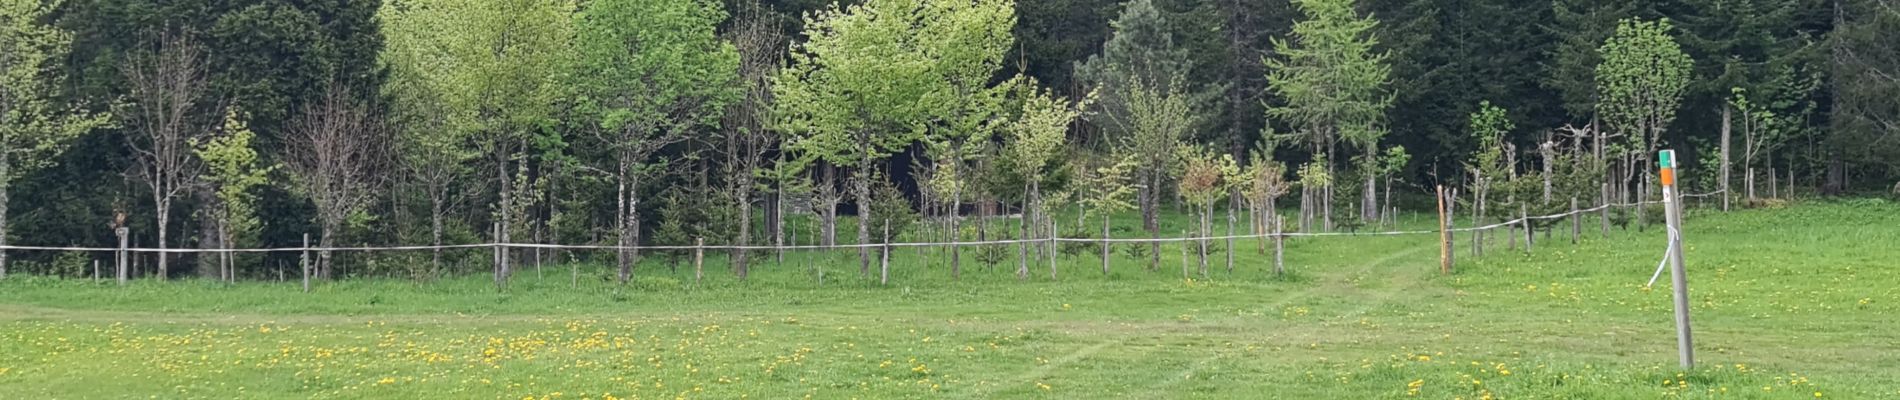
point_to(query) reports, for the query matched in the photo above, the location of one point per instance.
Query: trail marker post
(1679, 277)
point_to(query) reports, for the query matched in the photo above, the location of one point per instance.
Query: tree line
(234, 124)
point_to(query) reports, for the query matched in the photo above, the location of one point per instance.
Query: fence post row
(124, 255)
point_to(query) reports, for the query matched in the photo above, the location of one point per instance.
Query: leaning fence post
(1444, 236)
(1524, 211)
(123, 233)
(303, 262)
(699, 259)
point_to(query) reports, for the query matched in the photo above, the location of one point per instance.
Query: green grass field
(1791, 303)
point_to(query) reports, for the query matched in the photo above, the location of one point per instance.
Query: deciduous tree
(35, 124)
(1640, 86)
(651, 74)
(168, 92)
(1333, 81)
(872, 77)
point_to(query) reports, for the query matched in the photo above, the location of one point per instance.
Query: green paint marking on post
(1666, 158)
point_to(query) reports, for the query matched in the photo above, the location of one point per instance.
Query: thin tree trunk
(1279, 244)
(1750, 181)
(1207, 226)
(863, 189)
(745, 231)
(4, 198)
(1477, 219)
(323, 256)
(1150, 202)
(1369, 204)
(1230, 238)
(1774, 181)
(435, 233)
(956, 233)
(778, 222)
(1022, 248)
(164, 208)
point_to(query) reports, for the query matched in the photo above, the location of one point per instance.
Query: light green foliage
(1161, 119)
(1641, 81)
(1263, 180)
(1761, 129)
(1492, 129)
(872, 77)
(1205, 174)
(1313, 175)
(34, 126)
(1037, 134)
(1331, 76)
(650, 71)
(1489, 167)
(494, 62)
(1105, 189)
(233, 170)
(1394, 160)
(490, 67)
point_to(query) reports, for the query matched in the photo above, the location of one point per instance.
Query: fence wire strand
(496, 245)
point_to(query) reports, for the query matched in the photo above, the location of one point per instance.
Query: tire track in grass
(1034, 376)
(1331, 282)
(1343, 279)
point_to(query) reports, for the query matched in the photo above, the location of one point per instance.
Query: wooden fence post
(1054, 246)
(884, 258)
(123, 233)
(1604, 214)
(1576, 222)
(1279, 245)
(699, 259)
(303, 262)
(1444, 235)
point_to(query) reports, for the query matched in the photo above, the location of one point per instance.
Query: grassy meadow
(1797, 302)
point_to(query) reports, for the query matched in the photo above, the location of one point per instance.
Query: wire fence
(1053, 238)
